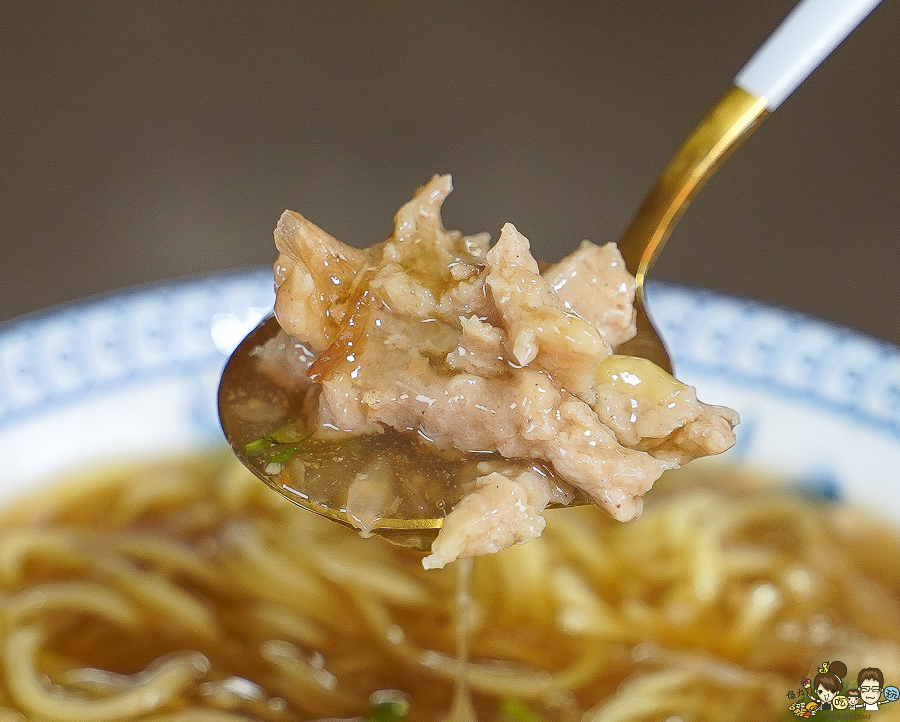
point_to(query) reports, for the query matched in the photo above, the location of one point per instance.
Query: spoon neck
(736, 114)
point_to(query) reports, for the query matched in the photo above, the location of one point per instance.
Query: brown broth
(271, 423)
(590, 613)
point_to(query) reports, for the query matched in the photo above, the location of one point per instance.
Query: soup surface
(187, 591)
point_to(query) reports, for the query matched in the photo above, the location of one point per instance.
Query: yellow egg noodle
(186, 591)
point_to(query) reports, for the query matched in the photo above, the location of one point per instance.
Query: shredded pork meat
(476, 350)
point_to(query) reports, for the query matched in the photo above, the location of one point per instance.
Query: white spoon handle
(803, 40)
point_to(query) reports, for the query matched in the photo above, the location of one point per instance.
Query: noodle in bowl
(709, 607)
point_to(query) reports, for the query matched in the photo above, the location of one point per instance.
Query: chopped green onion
(283, 455)
(287, 435)
(512, 710)
(389, 711)
(258, 446)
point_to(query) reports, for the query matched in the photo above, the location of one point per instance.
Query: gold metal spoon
(809, 34)
(252, 404)
(729, 122)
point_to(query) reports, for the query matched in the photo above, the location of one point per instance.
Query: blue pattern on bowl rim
(65, 355)
(61, 355)
(819, 402)
(785, 352)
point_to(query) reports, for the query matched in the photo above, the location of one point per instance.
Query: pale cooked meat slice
(537, 326)
(650, 410)
(594, 283)
(504, 509)
(528, 417)
(314, 278)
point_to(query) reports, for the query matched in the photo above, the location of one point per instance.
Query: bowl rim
(809, 360)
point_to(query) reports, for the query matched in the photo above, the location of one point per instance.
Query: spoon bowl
(261, 398)
(253, 403)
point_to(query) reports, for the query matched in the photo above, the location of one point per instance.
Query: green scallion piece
(287, 435)
(258, 446)
(390, 711)
(282, 456)
(512, 710)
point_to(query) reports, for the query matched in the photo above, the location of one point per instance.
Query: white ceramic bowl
(135, 374)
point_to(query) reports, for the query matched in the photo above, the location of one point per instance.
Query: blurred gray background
(150, 140)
